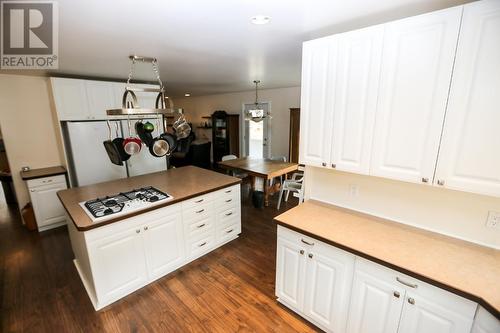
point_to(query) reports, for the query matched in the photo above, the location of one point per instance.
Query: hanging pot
(131, 145)
(112, 150)
(118, 142)
(159, 146)
(181, 127)
(145, 136)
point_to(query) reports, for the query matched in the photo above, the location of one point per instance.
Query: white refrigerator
(88, 160)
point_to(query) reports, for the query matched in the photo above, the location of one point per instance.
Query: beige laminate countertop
(181, 183)
(464, 268)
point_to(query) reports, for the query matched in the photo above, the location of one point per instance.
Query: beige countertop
(43, 172)
(467, 269)
(181, 183)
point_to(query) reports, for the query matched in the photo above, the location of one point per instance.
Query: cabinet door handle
(323, 164)
(138, 231)
(425, 180)
(334, 165)
(396, 294)
(301, 251)
(306, 242)
(310, 255)
(408, 284)
(440, 182)
(229, 231)
(229, 191)
(229, 214)
(32, 190)
(146, 228)
(200, 211)
(202, 244)
(229, 200)
(411, 300)
(198, 201)
(201, 225)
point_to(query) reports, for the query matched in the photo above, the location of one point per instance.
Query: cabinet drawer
(198, 212)
(298, 238)
(194, 229)
(226, 216)
(196, 201)
(201, 245)
(228, 231)
(46, 181)
(227, 196)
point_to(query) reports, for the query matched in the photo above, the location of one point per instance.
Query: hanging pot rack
(130, 105)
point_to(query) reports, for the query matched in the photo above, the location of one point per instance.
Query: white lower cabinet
(485, 322)
(118, 265)
(314, 279)
(119, 258)
(340, 292)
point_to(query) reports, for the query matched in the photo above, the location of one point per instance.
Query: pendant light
(257, 113)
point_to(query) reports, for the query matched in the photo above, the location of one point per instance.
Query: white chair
(234, 173)
(295, 184)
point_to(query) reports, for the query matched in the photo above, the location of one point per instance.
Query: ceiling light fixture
(260, 19)
(187, 95)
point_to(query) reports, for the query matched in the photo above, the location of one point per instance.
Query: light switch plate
(493, 220)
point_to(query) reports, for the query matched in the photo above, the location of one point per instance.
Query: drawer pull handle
(229, 214)
(310, 255)
(229, 200)
(396, 294)
(200, 211)
(138, 231)
(198, 201)
(301, 252)
(411, 300)
(411, 285)
(201, 225)
(229, 191)
(306, 242)
(47, 181)
(202, 244)
(229, 231)
(146, 228)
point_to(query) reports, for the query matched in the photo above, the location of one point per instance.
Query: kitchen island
(116, 255)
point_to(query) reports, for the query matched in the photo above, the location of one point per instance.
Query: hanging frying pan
(131, 145)
(113, 153)
(118, 142)
(159, 146)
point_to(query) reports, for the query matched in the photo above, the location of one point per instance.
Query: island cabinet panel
(119, 258)
(163, 245)
(485, 322)
(314, 279)
(118, 265)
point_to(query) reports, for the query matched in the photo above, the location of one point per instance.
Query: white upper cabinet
(101, 97)
(318, 62)
(469, 157)
(355, 103)
(70, 98)
(417, 63)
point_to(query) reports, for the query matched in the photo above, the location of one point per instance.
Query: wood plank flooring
(228, 290)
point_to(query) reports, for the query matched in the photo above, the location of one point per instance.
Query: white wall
(458, 214)
(28, 127)
(281, 99)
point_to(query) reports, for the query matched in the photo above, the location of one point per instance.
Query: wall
(458, 214)
(281, 99)
(28, 127)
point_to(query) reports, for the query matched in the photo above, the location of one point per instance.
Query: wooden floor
(228, 290)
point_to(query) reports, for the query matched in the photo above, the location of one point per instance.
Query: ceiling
(207, 47)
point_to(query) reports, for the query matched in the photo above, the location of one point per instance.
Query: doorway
(7, 193)
(257, 135)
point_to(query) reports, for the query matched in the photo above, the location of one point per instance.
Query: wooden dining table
(261, 168)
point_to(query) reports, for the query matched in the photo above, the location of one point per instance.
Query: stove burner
(123, 202)
(110, 203)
